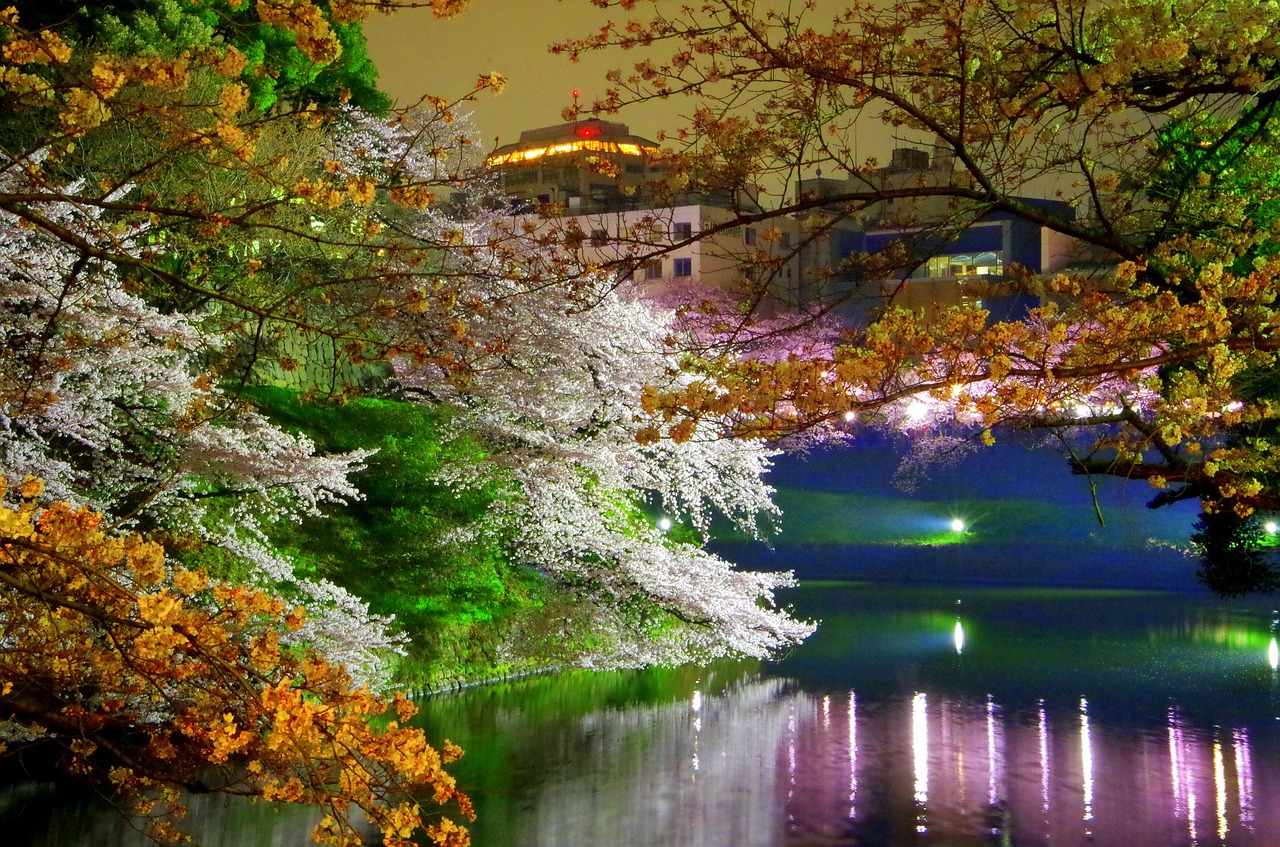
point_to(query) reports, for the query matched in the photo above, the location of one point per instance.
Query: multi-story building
(601, 187)
(576, 165)
(942, 257)
(692, 241)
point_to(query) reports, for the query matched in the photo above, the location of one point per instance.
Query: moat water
(915, 716)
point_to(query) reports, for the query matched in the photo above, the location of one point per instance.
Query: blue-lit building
(984, 248)
(945, 259)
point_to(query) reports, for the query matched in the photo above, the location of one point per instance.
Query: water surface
(1047, 717)
(1015, 716)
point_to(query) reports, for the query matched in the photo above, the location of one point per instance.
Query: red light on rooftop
(586, 131)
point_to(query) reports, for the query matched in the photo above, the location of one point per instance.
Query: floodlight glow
(1271, 527)
(850, 415)
(957, 525)
(664, 524)
(917, 410)
(1273, 655)
(959, 637)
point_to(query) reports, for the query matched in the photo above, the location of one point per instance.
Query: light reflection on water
(1045, 718)
(1062, 717)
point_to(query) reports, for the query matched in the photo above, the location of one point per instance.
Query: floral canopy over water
(196, 198)
(1153, 121)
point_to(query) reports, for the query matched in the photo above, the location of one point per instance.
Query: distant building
(946, 258)
(598, 183)
(702, 243)
(578, 164)
(601, 186)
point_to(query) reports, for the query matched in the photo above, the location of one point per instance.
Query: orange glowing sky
(417, 53)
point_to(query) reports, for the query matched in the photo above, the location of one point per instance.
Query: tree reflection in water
(1128, 719)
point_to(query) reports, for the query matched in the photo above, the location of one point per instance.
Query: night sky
(417, 53)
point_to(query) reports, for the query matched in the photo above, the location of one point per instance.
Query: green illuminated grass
(826, 517)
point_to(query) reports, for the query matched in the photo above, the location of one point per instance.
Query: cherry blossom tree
(154, 296)
(165, 239)
(156, 679)
(128, 300)
(104, 403)
(1152, 121)
(554, 379)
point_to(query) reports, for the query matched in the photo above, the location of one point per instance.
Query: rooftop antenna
(575, 104)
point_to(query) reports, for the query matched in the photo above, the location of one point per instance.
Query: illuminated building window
(965, 265)
(681, 231)
(593, 145)
(683, 267)
(988, 264)
(653, 270)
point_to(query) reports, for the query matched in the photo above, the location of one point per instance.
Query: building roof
(591, 134)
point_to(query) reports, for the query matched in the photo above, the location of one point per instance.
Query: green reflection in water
(613, 748)
(581, 753)
(524, 735)
(1145, 648)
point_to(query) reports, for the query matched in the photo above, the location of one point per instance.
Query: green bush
(396, 547)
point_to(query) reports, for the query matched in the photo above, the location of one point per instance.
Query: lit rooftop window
(594, 145)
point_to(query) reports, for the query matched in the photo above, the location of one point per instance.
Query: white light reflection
(826, 712)
(1086, 764)
(1220, 787)
(1273, 655)
(853, 755)
(1175, 764)
(920, 751)
(791, 751)
(991, 751)
(1044, 762)
(1191, 813)
(695, 705)
(958, 635)
(1244, 777)
(1180, 760)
